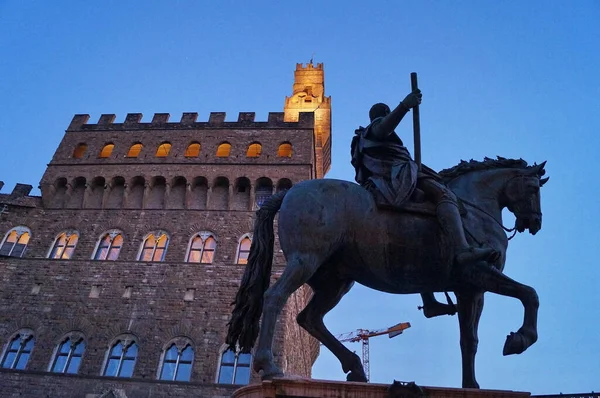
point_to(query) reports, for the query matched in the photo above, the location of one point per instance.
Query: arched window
(254, 150)
(106, 150)
(264, 190)
(69, 352)
(121, 357)
(176, 360)
(134, 150)
(223, 150)
(79, 151)
(154, 247)
(283, 184)
(109, 246)
(15, 242)
(234, 368)
(19, 350)
(163, 150)
(285, 150)
(202, 248)
(193, 150)
(243, 250)
(64, 245)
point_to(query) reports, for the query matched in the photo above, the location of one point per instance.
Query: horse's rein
(473, 205)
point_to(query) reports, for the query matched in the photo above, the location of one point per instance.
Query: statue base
(309, 388)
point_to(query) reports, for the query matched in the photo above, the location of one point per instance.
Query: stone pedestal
(308, 388)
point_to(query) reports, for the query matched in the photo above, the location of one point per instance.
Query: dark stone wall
(52, 297)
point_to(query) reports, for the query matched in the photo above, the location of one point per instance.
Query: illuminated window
(202, 248)
(193, 150)
(109, 246)
(106, 151)
(15, 242)
(163, 150)
(254, 150)
(64, 245)
(177, 361)
(234, 368)
(243, 251)
(223, 150)
(19, 350)
(68, 354)
(135, 150)
(285, 150)
(121, 357)
(154, 247)
(79, 151)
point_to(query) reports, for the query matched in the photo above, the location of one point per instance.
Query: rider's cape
(386, 165)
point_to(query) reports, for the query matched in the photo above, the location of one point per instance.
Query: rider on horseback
(385, 168)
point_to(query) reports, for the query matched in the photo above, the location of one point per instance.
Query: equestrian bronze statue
(403, 231)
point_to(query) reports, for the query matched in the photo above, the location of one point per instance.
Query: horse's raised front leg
(327, 293)
(298, 271)
(490, 279)
(470, 305)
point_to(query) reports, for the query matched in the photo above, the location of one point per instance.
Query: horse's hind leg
(328, 292)
(298, 271)
(490, 279)
(470, 305)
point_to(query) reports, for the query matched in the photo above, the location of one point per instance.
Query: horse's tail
(243, 326)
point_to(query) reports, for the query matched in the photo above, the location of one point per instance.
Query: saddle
(418, 204)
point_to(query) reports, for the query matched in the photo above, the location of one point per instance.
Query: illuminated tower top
(309, 96)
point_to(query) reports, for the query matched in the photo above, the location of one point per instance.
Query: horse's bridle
(517, 207)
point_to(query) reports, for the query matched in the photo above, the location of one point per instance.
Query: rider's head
(379, 110)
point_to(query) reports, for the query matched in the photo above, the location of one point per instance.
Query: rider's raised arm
(386, 125)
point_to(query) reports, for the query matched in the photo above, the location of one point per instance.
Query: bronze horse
(332, 235)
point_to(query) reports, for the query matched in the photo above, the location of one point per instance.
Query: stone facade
(181, 183)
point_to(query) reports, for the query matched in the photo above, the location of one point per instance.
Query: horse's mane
(474, 165)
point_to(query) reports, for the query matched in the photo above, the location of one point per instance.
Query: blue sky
(511, 78)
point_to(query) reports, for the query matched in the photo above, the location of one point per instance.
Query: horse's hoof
(515, 344)
(357, 376)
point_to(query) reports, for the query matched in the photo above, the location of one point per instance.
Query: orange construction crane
(363, 335)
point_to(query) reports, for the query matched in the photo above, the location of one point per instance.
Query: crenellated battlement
(309, 66)
(189, 121)
(18, 197)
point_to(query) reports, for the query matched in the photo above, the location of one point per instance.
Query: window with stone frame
(15, 242)
(243, 250)
(163, 150)
(134, 150)
(109, 246)
(17, 353)
(154, 247)
(202, 248)
(177, 360)
(121, 357)
(234, 368)
(79, 151)
(285, 150)
(107, 150)
(254, 150)
(193, 150)
(64, 245)
(223, 150)
(68, 354)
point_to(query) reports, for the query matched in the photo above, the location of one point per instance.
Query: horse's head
(522, 197)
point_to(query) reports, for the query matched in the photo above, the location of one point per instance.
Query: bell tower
(309, 96)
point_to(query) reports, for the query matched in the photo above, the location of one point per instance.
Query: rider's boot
(451, 223)
(432, 307)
